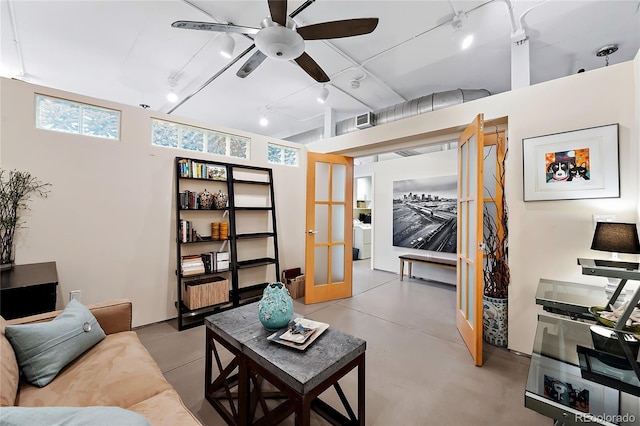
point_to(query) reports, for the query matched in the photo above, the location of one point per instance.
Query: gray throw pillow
(43, 349)
(70, 416)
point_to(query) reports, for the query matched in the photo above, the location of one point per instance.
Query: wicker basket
(296, 286)
(205, 292)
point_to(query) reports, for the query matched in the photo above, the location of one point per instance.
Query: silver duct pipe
(432, 102)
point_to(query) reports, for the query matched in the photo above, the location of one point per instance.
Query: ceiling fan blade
(251, 64)
(338, 29)
(312, 68)
(212, 26)
(278, 10)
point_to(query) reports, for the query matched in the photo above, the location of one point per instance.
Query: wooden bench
(431, 260)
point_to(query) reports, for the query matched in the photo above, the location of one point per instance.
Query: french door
(470, 227)
(329, 228)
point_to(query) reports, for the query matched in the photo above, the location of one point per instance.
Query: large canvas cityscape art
(425, 213)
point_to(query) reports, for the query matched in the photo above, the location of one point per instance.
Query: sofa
(117, 371)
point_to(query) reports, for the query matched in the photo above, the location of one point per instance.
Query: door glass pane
(321, 262)
(322, 223)
(472, 231)
(463, 170)
(463, 287)
(473, 162)
(337, 264)
(489, 168)
(337, 225)
(339, 174)
(463, 228)
(472, 295)
(322, 181)
(490, 210)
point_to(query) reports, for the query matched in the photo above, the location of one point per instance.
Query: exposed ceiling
(127, 52)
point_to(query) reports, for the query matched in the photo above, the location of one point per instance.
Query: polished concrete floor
(418, 370)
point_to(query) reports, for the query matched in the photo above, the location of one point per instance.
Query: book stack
(192, 265)
(215, 261)
(187, 233)
(222, 260)
(192, 169)
(189, 200)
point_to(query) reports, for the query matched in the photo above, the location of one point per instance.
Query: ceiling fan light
(172, 97)
(227, 44)
(280, 43)
(323, 95)
(467, 41)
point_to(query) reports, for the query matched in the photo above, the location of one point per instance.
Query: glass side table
(557, 388)
(570, 299)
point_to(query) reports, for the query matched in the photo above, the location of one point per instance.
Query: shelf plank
(204, 240)
(186, 277)
(254, 235)
(250, 182)
(253, 208)
(252, 263)
(204, 210)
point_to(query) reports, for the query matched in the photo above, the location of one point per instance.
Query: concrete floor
(418, 370)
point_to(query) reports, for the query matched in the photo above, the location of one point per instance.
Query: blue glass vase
(275, 309)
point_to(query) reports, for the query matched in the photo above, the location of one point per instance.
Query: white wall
(546, 237)
(109, 220)
(385, 255)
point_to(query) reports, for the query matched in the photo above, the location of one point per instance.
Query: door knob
(311, 231)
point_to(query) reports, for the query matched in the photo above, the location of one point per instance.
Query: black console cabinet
(28, 290)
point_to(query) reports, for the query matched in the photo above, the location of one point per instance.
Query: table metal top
(301, 370)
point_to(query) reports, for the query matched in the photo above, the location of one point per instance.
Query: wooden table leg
(401, 269)
(409, 265)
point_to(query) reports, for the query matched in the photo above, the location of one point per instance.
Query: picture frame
(572, 165)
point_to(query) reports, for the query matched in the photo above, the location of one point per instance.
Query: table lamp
(615, 237)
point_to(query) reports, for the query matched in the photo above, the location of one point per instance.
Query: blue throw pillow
(70, 416)
(43, 349)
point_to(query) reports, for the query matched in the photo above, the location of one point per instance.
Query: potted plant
(16, 189)
(496, 265)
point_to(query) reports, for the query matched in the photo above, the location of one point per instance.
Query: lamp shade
(616, 237)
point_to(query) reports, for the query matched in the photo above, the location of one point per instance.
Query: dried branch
(15, 192)
(496, 239)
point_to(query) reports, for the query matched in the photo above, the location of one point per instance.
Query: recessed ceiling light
(172, 97)
(263, 121)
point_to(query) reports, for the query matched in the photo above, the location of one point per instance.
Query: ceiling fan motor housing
(279, 42)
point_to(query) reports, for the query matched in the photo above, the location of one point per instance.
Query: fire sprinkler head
(354, 84)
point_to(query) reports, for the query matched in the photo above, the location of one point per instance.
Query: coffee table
(298, 376)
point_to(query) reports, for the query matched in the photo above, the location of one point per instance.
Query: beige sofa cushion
(9, 372)
(118, 371)
(161, 410)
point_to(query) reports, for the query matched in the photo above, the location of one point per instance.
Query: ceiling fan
(279, 38)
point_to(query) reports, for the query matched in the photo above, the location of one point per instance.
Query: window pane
(57, 114)
(291, 156)
(216, 143)
(192, 139)
(164, 133)
(237, 147)
(274, 154)
(100, 122)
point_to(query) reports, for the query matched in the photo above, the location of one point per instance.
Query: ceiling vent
(364, 120)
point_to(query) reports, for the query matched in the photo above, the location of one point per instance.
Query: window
(181, 136)
(279, 154)
(61, 115)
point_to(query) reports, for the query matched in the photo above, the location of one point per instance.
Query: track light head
(323, 95)
(227, 44)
